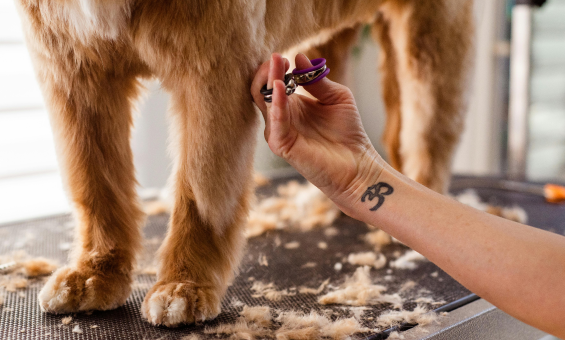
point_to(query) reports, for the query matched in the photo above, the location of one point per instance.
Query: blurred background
(30, 183)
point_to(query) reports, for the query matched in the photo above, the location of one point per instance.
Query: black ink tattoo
(377, 194)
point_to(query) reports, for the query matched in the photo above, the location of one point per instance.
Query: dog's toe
(173, 304)
(54, 297)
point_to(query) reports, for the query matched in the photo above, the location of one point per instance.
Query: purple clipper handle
(317, 64)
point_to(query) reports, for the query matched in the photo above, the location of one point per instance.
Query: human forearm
(518, 268)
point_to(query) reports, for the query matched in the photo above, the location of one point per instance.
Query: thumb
(325, 90)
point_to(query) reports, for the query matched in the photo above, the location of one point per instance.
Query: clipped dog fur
(257, 323)
(369, 258)
(89, 57)
(358, 290)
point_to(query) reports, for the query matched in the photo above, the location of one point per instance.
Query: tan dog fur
(89, 56)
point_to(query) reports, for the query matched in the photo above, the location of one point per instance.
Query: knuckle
(338, 93)
(347, 92)
(343, 93)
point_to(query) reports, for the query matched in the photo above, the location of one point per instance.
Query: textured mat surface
(21, 317)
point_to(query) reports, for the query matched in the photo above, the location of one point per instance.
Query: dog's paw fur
(70, 290)
(175, 303)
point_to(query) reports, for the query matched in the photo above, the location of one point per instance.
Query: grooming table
(50, 237)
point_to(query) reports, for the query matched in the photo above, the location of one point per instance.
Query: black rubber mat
(21, 317)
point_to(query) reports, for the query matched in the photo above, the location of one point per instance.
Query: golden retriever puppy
(89, 56)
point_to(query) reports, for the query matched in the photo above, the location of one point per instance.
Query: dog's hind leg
(428, 44)
(88, 89)
(214, 132)
(391, 91)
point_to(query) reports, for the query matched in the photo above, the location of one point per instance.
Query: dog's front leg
(88, 89)
(214, 131)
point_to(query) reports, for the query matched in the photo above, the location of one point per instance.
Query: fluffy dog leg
(431, 41)
(88, 91)
(214, 125)
(92, 128)
(391, 91)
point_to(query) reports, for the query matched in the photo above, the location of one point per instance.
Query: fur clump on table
(27, 265)
(358, 290)
(77, 329)
(315, 291)
(258, 323)
(420, 315)
(12, 283)
(268, 291)
(378, 238)
(24, 268)
(369, 258)
(38, 267)
(408, 260)
(298, 206)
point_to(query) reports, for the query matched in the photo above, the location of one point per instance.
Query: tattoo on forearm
(374, 191)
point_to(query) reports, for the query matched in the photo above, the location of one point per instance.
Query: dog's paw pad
(173, 304)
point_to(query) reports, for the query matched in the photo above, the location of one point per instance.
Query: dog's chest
(87, 18)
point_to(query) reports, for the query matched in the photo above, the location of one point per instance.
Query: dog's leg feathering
(214, 128)
(426, 47)
(88, 91)
(92, 128)
(391, 91)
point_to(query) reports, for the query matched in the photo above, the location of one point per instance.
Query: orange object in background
(554, 193)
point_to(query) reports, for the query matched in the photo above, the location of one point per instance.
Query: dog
(89, 57)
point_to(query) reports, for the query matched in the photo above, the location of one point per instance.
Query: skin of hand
(322, 138)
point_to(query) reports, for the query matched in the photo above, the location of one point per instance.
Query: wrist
(369, 169)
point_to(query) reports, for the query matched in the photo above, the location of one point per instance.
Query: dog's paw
(176, 303)
(69, 290)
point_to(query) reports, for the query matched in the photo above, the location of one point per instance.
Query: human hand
(322, 138)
